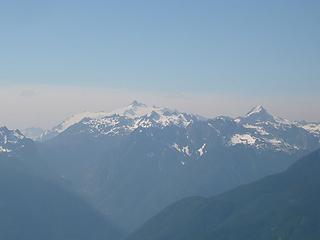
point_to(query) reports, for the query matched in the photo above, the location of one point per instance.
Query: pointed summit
(260, 114)
(257, 110)
(257, 114)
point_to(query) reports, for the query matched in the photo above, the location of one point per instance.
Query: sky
(211, 57)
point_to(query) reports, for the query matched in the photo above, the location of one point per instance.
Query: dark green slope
(285, 206)
(33, 208)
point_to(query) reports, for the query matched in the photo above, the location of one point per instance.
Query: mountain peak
(136, 103)
(257, 114)
(10, 140)
(260, 114)
(4, 131)
(257, 110)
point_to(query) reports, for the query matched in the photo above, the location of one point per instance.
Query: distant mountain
(33, 207)
(311, 127)
(134, 161)
(258, 128)
(122, 121)
(260, 115)
(33, 133)
(283, 206)
(13, 142)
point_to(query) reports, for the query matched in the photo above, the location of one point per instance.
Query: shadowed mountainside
(283, 206)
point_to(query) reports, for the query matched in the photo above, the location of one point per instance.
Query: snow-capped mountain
(123, 159)
(259, 114)
(260, 129)
(257, 129)
(123, 120)
(11, 141)
(160, 155)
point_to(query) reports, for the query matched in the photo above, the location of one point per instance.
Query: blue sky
(267, 48)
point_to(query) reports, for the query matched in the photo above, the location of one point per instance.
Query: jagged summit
(10, 140)
(258, 127)
(137, 113)
(6, 133)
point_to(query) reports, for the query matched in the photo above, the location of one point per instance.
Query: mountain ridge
(35, 207)
(137, 114)
(282, 206)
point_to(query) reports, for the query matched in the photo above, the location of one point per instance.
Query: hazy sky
(213, 57)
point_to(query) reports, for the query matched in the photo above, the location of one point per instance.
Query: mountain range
(258, 127)
(131, 163)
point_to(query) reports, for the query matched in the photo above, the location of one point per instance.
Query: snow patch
(4, 150)
(313, 128)
(186, 149)
(202, 150)
(246, 139)
(259, 129)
